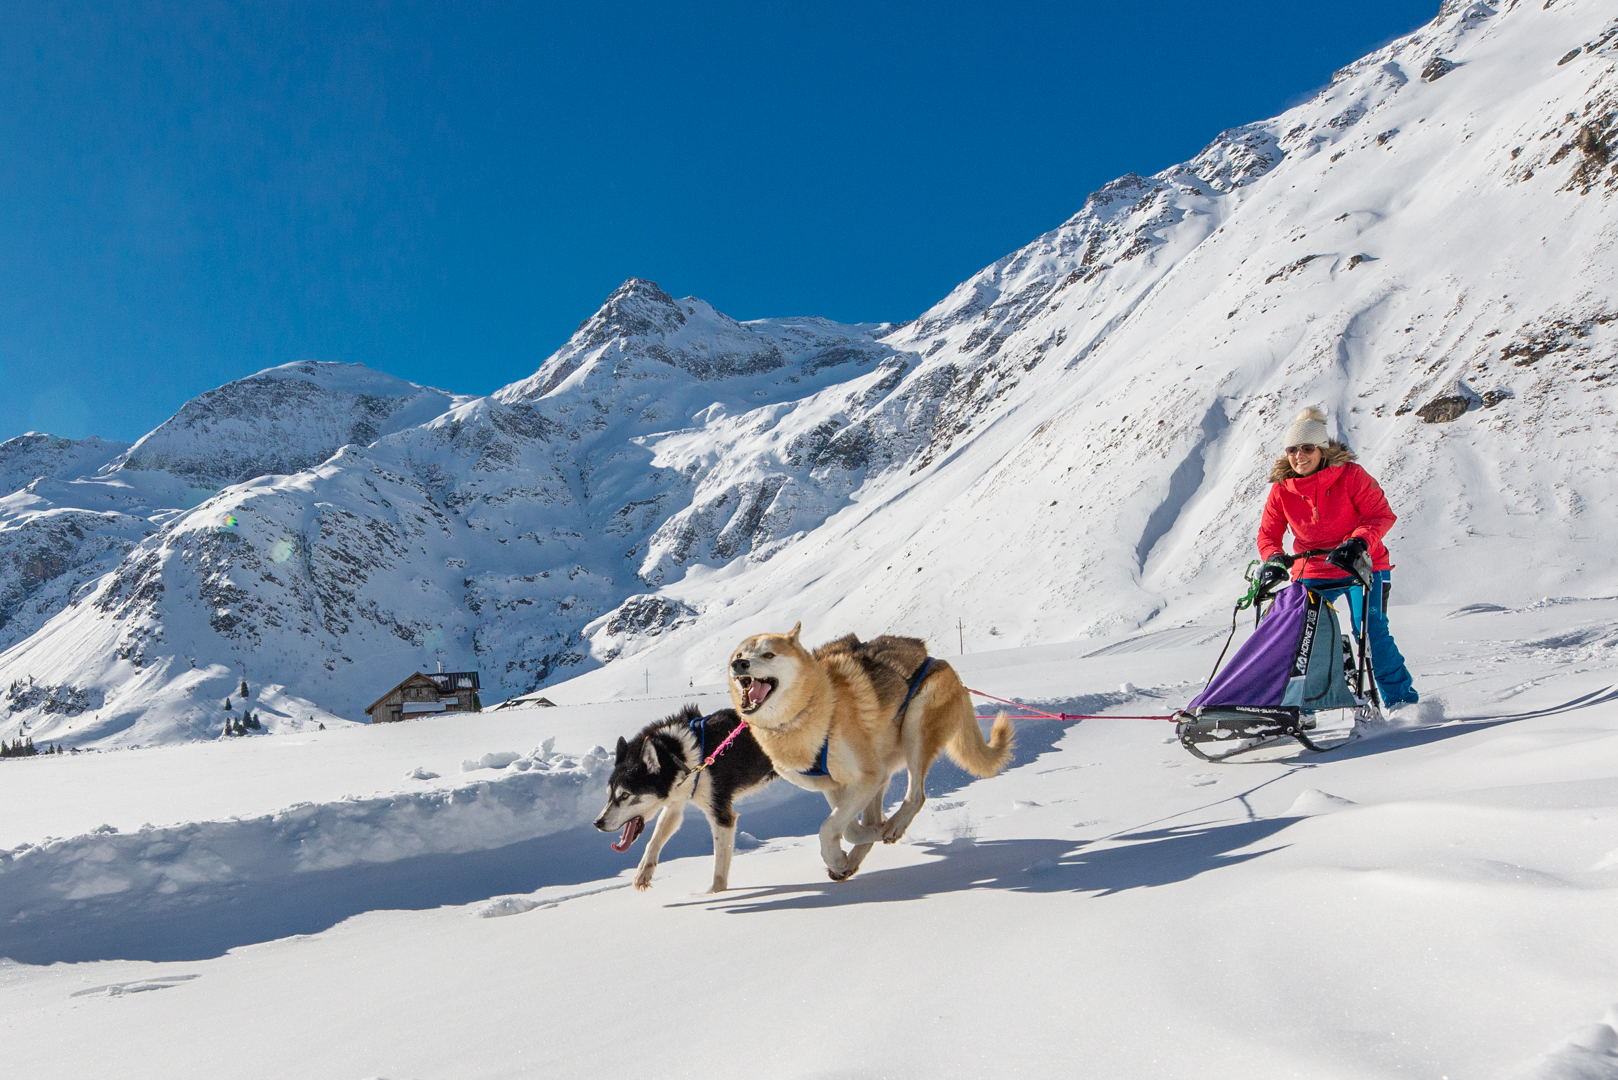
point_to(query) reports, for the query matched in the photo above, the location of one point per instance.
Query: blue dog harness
(915, 683)
(820, 764)
(699, 728)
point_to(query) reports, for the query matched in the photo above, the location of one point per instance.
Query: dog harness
(916, 680)
(820, 763)
(699, 728)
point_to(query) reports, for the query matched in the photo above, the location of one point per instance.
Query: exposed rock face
(1436, 69)
(35, 456)
(1451, 405)
(283, 420)
(1443, 410)
(45, 559)
(52, 700)
(635, 622)
(646, 615)
(640, 322)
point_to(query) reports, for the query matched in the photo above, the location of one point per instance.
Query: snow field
(1433, 901)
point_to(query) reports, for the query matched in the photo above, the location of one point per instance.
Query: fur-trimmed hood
(1333, 453)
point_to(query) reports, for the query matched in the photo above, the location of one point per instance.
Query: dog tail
(970, 751)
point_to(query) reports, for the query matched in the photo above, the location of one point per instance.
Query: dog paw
(643, 880)
(839, 875)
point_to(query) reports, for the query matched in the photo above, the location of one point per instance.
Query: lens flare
(281, 550)
(230, 521)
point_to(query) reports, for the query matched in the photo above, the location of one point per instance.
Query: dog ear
(797, 628)
(623, 748)
(648, 754)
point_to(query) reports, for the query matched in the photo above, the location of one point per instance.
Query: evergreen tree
(243, 690)
(227, 705)
(477, 702)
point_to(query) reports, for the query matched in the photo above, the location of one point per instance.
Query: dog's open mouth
(755, 690)
(632, 829)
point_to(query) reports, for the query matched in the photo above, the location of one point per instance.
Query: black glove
(1274, 573)
(1351, 556)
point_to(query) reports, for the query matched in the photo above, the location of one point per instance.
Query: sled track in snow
(1595, 697)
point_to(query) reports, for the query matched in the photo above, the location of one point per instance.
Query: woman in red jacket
(1327, 501)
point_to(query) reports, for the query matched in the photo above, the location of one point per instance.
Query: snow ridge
(171, 867)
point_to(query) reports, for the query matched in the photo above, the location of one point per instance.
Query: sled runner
(1297, 663)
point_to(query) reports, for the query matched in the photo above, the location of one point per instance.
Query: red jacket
(1323, 509)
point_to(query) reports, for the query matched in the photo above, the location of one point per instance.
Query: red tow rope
(1063, 715)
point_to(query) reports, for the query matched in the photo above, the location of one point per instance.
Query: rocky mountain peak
(637, 308)
(282, 420)
(642, 329)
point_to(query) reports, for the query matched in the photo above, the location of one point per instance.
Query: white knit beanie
(1309, 427)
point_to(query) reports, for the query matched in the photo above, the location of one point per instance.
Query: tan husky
(837, 721)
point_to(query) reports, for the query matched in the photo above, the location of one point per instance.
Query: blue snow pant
(1387, 662)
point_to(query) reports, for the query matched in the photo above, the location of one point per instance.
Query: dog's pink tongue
(632, 829)
(757, 691)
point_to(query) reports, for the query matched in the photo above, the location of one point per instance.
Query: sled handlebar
(1364, 582)
(1302, 554)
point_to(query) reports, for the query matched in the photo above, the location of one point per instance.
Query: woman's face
(1304, 459)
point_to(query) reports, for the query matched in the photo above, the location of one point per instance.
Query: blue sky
(190, 192)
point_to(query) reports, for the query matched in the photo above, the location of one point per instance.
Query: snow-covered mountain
(283, 420)
(481, 532)
(1074, 441)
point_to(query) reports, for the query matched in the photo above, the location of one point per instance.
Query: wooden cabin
(526, 701)
(426, 694)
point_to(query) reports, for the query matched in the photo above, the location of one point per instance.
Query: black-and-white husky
(654, 773)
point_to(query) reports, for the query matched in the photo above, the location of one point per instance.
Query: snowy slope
(1433, 901)
(34, 456)
(1434, 229)
(1074, 441)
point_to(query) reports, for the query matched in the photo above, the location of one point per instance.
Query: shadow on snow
(208, 921)
(1151, 858)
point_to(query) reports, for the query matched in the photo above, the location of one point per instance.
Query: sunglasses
(1303, 448)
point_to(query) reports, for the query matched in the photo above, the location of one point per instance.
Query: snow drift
(179, 866)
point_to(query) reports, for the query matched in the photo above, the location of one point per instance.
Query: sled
(1296, 664)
